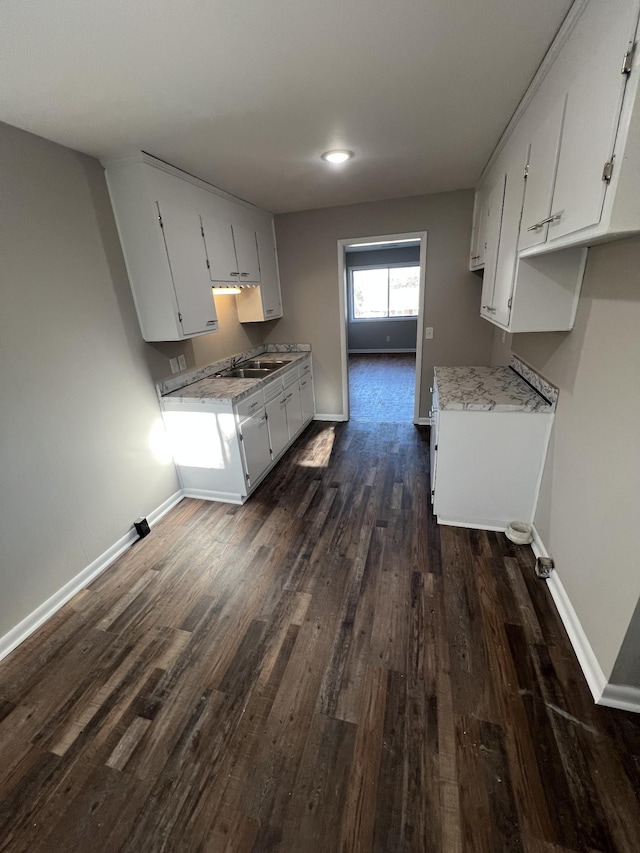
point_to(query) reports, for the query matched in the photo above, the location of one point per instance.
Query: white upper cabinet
(478, 234)
(540, 178)
(221, 253)
(179, 235)
(601, 38)
(157, 215)
(580, 124)
(257, 304)
(495, 200)
(244, 240)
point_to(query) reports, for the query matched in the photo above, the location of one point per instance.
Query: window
(384, 292)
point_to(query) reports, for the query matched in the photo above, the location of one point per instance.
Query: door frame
(344, 318)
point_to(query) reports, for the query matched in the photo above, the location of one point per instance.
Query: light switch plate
(428, 333)
(173, 364)
(182, 362)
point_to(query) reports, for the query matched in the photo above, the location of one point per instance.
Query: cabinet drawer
(289, 378)
(304, 368)
(273, 390)
(250, 405)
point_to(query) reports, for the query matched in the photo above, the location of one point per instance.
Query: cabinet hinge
(627, 62)
(436, 447)
(608, 169)
(180, 316)
(241, 438)
(510, 302)
(247, 476)
(160, 220)
(208, 266)
(526, 171)
(202, 231)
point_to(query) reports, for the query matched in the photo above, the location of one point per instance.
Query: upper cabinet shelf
(570, 167)
(181, 237)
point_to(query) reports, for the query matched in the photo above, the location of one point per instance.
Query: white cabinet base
(489, 467)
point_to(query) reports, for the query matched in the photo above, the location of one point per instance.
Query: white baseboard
(621, 696)
(331, 418)
(208, 495)
(45, 611)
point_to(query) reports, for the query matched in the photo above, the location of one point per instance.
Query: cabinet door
(476, 258)
(180, 225)
(221, 253)
(306, 398)
(594, 102)
(541, 175)
(495, 200)
(269, 279)
(247, 255)
(256, 449)
(508, 243)
(277, 420)
(294, 409)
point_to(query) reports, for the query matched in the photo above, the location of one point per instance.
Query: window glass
(370, 294)
(403, 291)
(385, 292)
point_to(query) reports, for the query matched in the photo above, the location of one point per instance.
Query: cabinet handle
(289, 396)
(302, 384)
(553, 218)
(489, 309)
(234, 273)
(211, 322)
(244, 274)
(271, 310)
(474, 257)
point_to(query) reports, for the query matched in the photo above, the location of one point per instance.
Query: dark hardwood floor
(323, 669)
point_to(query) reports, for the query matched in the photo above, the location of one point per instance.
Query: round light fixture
(338, 155)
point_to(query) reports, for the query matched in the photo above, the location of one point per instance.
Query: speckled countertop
(494, 389)
(202, 384)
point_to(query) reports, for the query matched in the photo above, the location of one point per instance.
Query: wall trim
(621, 696)
(423, 422)
(331, 418)
(46, 610)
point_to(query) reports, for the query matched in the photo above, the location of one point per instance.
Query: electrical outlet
(182, 362)
(388, 338)
(428, 333)
(173, 364)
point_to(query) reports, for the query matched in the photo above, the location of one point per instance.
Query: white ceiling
(248, 93)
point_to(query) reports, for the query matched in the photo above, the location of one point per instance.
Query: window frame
(388, 318)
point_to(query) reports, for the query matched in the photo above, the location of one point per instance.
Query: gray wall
(308, 257)
(373, 334)
(79, 409)
(589, 505)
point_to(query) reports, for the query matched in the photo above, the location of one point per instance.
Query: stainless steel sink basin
(257, 364)
(244, 373)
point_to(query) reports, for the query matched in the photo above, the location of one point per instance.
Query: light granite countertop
(493, 389)
(202, 384)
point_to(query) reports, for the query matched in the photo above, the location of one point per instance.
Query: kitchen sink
(257, 364)
(244, 373)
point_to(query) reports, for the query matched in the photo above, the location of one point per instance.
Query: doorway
(382, 289)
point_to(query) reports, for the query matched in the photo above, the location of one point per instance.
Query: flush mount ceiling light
(338, 155)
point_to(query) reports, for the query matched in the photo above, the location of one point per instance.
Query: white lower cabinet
(307, 398)
(277, 421)
(293, 403)
(487, 466)
(256, 450)
(223, 451)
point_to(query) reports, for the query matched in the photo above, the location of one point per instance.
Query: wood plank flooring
(323, 669)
